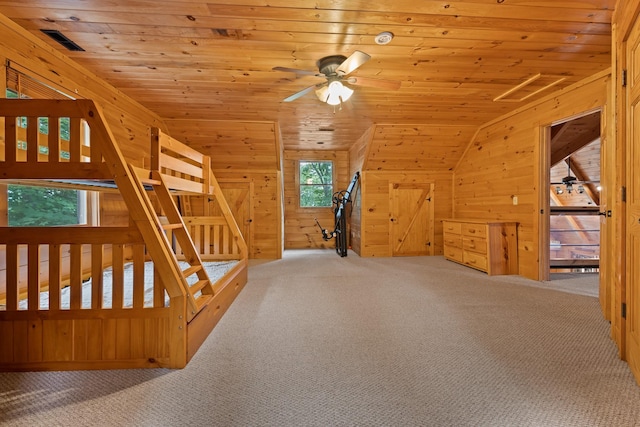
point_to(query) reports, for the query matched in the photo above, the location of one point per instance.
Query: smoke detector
(384, 37)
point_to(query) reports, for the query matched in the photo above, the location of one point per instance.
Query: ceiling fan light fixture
(334, 94)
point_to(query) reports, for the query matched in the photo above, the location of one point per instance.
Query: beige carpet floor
(319, 340)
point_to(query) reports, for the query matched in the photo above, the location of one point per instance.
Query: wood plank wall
(357, 155)
(403, 154)
(300, 229)
(129, 121)
(375, 221)
(248, 152)
(503, 162)
(266, 240)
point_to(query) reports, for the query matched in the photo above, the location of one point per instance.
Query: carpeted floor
(319, 340)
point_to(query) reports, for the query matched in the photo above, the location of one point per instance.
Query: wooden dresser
(489, 246)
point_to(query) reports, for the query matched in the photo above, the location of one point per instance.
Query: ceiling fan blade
(296, 71)
(366, 81)
(303, 92)
(355, 60)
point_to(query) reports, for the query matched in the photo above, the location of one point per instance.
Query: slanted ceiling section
(236, 145)
(417, 147)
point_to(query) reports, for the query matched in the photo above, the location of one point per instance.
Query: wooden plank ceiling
(196, 60)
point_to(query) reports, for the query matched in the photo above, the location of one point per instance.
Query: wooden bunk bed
(57, 311)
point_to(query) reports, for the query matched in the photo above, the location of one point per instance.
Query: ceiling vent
(63, 40)
(530, 87)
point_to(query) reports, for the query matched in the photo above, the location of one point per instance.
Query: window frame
(301, 185)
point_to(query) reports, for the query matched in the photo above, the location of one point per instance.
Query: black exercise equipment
(340, 200)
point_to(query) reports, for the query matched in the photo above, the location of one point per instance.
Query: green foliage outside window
(40, 206)
(316, 184)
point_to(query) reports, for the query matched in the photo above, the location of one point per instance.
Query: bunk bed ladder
(201, 290)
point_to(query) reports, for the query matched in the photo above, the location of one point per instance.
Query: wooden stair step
(191, 270)
(171, 226)
(198, 286)
(149, 181)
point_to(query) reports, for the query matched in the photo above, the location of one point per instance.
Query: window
(43, 206)
(316, 184)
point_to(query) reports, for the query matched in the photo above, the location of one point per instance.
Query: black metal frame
(340, 200)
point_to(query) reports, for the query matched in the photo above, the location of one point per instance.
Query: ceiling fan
(569, 181)
(336, 69)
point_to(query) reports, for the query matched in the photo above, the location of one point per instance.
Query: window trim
(299, 184)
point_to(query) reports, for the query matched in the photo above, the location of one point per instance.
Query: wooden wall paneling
(300, 228)
(128, 119)
(497, 166)
(401, 147)
(375, 207)
(244, 151)
(267, 209)
(357, 163)
(237, 145)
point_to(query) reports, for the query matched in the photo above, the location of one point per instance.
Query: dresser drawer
(476, 230)
(452, 240)
(452, 227)
(475, 260)
(454, 254)
(475, 244)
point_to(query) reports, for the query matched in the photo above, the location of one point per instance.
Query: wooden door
(411, 216)
(238, 197)
(632, 297)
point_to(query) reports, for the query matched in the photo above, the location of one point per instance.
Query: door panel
(411, 212)
(633, 202)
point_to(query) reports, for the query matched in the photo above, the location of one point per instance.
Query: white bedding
(215, 270)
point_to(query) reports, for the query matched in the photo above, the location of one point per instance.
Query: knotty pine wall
(129, 121)
(357, 155)
(300, 228)
(396, 153)
(375, 220)
(247, 152)
(504, 160)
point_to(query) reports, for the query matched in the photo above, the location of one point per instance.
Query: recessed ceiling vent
(63, 40)
(532, 86)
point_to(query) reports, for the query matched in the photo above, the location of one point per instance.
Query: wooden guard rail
(28, 154)
(212, 237)
(47, 259)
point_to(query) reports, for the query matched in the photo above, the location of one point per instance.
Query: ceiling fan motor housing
(329, 64)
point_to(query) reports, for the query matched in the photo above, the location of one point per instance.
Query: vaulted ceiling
(458, 62)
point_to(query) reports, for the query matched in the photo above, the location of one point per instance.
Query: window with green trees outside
(316, 183)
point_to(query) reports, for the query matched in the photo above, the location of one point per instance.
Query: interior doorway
(572, 226)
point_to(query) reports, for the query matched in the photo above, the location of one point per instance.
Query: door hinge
(623, 310)
(623, 194)
(624, 78)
